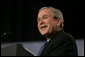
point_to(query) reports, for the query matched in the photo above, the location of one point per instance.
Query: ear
(59, 21)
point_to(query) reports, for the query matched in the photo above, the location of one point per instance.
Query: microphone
(6, 36)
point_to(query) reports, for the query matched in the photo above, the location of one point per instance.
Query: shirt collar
(48, 40)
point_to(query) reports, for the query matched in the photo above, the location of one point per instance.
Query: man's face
(46, 23)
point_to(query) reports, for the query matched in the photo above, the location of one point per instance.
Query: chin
(44, 32)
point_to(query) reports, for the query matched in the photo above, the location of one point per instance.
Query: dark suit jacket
(61, 44)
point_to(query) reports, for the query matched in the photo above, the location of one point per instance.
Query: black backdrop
(18, 19)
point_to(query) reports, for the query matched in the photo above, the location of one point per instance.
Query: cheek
(38, 27)
(52, 25)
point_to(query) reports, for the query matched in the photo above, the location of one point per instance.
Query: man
(50, 24)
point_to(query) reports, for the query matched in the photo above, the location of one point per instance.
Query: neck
(49, 36)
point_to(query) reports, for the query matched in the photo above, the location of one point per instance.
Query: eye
(45, 17)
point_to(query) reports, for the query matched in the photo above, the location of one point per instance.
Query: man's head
(49, 20)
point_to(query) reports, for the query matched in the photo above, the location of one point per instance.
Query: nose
(41, 22)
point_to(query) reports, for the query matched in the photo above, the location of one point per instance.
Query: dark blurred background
(18, 19)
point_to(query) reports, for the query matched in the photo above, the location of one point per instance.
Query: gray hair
(56, 12)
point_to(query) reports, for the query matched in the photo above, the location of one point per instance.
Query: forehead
(45, 12)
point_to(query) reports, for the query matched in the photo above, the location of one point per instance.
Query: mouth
(43, 27)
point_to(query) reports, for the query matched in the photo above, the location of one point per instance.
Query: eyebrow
(42, 16)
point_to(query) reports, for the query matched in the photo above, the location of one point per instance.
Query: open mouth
(43, 27)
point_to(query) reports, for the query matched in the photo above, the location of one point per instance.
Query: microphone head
(6, 33)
